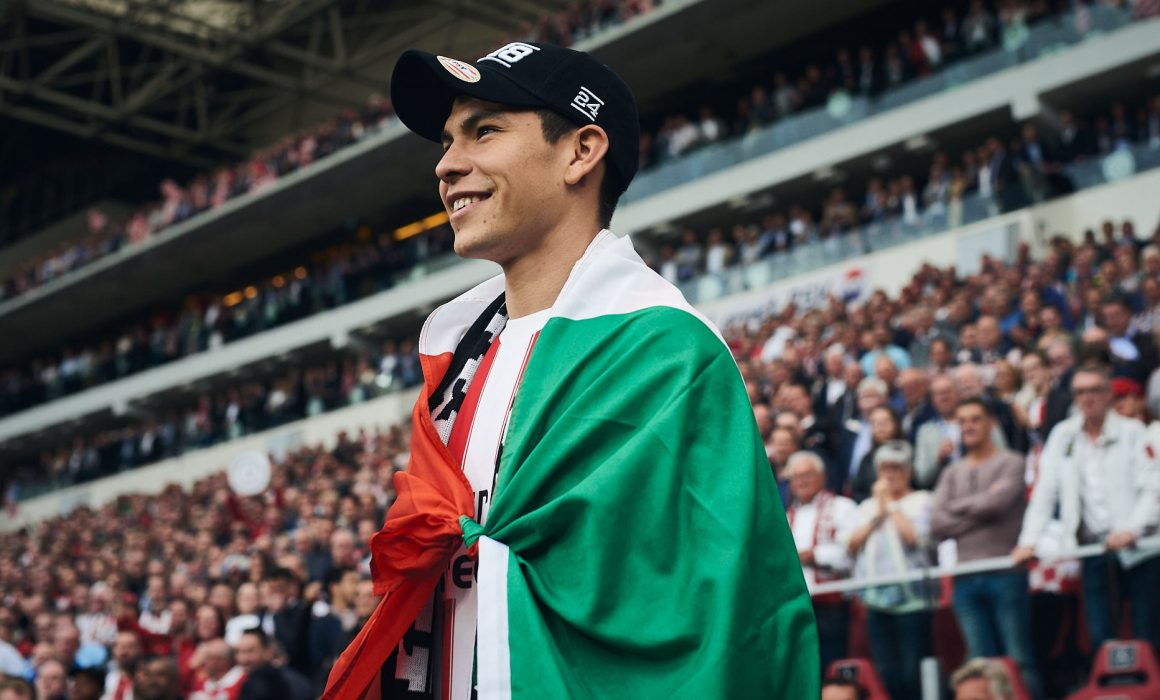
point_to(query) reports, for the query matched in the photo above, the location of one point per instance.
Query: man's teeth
(464, 201)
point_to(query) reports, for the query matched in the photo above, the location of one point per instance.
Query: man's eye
(483, 130)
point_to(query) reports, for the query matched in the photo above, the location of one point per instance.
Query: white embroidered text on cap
(587, 102)
(512, 53)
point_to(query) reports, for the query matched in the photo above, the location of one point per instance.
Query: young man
(979, 503)
(588, 510)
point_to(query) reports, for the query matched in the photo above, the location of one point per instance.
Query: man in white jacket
(1100, 470)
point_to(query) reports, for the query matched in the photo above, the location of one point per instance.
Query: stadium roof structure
(184, 79)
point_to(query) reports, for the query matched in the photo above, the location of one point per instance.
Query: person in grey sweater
(979, 502)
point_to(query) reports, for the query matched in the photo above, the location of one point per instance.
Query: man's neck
(808, 501)
(1094, 426)
(981, 453)
(533, 281)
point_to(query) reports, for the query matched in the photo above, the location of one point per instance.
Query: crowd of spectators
(899, 424)
(872, 414)
(334, 276)
(924, 45)
(223, 414)
(1006, 172)
(199, 593)
(948, 32)
(209, 191)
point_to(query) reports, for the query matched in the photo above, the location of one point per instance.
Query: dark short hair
(1095, 366)
(977, 401)
(95, 673)
(1117, 299)
(556, 127)
(336, 575)
(263, 638)
(281, 573)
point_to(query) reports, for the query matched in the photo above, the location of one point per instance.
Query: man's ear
(589, 147)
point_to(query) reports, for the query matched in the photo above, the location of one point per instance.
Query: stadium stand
(995, 243)
(352, 272)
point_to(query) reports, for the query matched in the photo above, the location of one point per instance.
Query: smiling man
(588, 510)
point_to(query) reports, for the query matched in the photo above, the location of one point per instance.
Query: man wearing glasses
(1101, 472)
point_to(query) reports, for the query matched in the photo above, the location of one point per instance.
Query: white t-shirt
(485, 421)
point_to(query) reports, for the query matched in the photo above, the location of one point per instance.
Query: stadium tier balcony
(143, 394)
(380, 171)
(432, 284)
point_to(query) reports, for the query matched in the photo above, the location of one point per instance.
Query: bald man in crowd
(223, 678)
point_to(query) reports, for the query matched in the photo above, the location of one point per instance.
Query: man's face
(1092, 395)
(155, 680)
(500, 180)
(1034, 372)
(782, 445)
(1131, 406)
(913, 387)
(126, 649)
(1061, 360)
(974, 689)
(249, 653)
(50, 680)
(365, 599)
(870, 400)
(804, 480)
(975, 425)
(797, 401)
(833, 365)
(989, 333)
(1116, 320)
(67, 641)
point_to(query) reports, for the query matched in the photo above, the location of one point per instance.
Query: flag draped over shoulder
(635, 546)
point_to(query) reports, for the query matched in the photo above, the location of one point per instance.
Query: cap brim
(423, 91)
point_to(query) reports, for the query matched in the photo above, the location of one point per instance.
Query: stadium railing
(878, 236)
(978, 566)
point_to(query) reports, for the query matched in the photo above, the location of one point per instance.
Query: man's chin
(477, 250)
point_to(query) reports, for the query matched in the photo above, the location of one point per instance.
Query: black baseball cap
(571, 83)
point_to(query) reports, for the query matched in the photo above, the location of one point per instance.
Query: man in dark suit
(1133, 355)
(1057, 405)
(1006, 182)
(290, 618)
(1040, 159)
(264, 679)
(1075, 140)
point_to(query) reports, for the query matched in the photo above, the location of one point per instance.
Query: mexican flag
(635, 546)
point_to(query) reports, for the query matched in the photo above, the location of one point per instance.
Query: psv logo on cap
(460, 69)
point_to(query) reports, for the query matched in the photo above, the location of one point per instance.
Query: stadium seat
(862, 672)
(1124, 670)
(1021, 692)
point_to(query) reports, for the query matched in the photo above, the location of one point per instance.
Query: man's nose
(452, 165)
